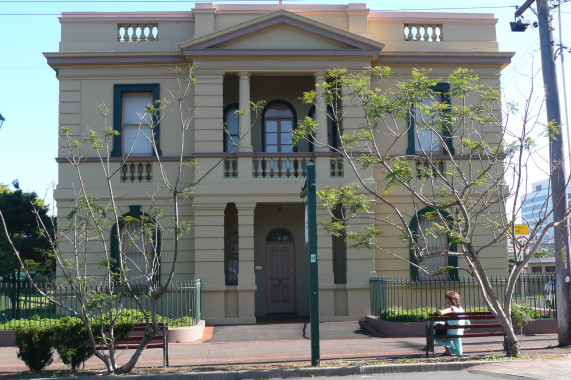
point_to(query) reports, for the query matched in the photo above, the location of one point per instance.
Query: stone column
(326, 280)
(246, 276)
(320, 114)
(245, 117)
(209, 257)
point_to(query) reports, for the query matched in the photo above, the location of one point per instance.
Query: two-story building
(247, 244)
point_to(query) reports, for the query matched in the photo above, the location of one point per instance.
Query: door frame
(292, 280)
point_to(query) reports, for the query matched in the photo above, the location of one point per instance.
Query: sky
(29, 88)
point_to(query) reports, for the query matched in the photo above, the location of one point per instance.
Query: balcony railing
(147, 32)
(423, 32)
(280, 165)
(139, 171)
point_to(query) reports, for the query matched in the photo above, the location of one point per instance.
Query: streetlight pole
(309, 191)
(557, 170)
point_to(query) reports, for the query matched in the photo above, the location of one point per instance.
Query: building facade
(247, 244)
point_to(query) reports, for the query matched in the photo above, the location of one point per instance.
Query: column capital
(320, 75)
(243, 74)
(246, 207)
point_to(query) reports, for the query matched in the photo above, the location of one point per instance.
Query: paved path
(279, 343)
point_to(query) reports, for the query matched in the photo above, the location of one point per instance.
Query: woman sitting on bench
(453, 345)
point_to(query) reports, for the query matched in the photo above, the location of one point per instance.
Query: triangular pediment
(282, 33)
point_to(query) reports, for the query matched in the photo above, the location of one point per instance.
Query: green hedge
(131, 315)
(421, 314)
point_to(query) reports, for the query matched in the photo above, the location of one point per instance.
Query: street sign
(521, 234)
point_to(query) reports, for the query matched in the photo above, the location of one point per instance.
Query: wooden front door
(280, 278)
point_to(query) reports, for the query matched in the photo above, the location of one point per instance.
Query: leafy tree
(22, 210)
(461, 169)
(544, 252)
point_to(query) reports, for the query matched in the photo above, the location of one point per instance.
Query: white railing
(137, 32)
(423, 32)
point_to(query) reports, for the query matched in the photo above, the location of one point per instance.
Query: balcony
(276, 165)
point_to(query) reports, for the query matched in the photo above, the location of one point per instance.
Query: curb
(306, 372)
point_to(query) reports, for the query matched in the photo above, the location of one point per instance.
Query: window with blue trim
(137, 128)
(427, 132)
(139, 240)
(231, 128)
(278, 119)
(431, 242)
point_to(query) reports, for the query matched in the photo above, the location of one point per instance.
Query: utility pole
(557, 170)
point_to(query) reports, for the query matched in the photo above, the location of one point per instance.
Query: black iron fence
(402, 295)
(19, 301)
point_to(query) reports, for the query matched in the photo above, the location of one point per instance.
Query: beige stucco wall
(91, 60)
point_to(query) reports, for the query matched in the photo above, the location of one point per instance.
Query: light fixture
(1, 120)
(519, 25)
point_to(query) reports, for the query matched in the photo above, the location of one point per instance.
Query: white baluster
(418, 35)
(425, 36)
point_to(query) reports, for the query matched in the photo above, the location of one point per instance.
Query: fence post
(198, 301)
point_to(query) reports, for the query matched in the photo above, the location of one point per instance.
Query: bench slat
(471, 326)
(472, 335)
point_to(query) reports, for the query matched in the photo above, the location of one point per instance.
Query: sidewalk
(290, 343)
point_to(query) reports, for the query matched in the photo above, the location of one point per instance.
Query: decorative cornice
(83, 58)
(489, 58)
(432, 17)
(124, 17)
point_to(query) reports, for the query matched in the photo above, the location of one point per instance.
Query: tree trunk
(511, 345)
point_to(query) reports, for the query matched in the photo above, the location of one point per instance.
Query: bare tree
(463, 173)
(100, 281)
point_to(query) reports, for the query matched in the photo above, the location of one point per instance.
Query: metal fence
(20, 301)
(401, 295)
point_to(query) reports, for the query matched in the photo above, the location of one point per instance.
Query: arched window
(279, 235)
(231, 128)
(420, 135)
(136, 243)
(429, 240)
(278, 120)
(231, 247)
(138, 251)
(333, 138)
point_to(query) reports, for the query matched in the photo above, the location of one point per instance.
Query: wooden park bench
(160, 340)
(482, 323)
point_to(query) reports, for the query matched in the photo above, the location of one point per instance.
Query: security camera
(520, 25)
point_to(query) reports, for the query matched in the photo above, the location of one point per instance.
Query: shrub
(71, 341)
(35, 346)
(407, 315)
